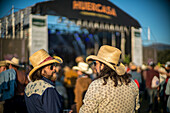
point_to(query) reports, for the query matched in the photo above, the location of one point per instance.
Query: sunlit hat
(40, 59)
(84, 67)
(167, 64)
(14, 61)
(110, 56)
(3, 63)
(144, 67)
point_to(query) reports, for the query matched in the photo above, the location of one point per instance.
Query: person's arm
(52, 101)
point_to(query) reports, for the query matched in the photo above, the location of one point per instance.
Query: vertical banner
(38, 33)
(136, 43)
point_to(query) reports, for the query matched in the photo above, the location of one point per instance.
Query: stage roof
(96, 11)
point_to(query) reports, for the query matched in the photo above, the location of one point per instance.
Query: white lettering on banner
(121, 28)
(112, 27)
(91, 25)
(117, 28)
(102, 26)
(96, 25)
(85, 23)
(79, 23)
(106, 26)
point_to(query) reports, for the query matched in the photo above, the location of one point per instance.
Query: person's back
(152, 87)
(120, 99)
(137, 76)
(81, 87)
(113, 91)
(150, 74)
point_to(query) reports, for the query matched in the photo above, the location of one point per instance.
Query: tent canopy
(101, 11)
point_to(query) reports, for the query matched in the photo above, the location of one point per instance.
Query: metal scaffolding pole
(6, 33)
(13, 23)
(21, 27)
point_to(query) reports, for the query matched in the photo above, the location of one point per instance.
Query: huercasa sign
(97, 25)
(96, 7)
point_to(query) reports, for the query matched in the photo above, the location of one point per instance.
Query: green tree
(127, 59)
(163, 56)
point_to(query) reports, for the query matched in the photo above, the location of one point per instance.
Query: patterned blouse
(107, 98)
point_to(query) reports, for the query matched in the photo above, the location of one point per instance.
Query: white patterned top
(107, 98)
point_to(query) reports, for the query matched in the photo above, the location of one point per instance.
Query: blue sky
(149, 13)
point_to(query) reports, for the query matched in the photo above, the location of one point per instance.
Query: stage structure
(105, 23)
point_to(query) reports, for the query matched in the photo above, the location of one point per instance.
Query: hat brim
(89, 71)
(41, 65)
(10, 62)
(120, 70)
(3, 63)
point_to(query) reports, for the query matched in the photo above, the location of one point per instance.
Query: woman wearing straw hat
(40, 94)
(113, 90)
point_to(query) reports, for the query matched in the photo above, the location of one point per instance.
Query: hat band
(47, 59)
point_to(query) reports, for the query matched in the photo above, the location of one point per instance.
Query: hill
(159, 46)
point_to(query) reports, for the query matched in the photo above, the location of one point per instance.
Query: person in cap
(17, 103)
(3, 66)
(113, 91)
(40, 94)
(82, 83)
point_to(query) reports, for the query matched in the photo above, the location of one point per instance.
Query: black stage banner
(96, 11)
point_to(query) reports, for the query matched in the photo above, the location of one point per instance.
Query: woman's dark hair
(107, 72)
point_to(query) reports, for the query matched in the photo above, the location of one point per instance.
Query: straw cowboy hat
(110, 56)
(40, 59)
(84, 67)
(14, 61)
(3, 63)
(57, 57)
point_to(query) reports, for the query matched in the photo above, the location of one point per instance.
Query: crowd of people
(98, 84)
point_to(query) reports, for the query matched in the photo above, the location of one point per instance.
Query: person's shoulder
(98, 82)
(37, 87)
(8, 72)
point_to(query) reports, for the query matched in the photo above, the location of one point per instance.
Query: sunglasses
(52, 66)
(94, 62)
